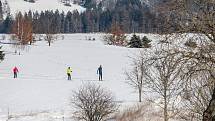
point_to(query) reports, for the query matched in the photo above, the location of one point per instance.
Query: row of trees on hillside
(130, 18)
(23, 28)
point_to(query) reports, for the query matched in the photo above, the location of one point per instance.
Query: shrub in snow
(62, 37)
(1, 54)
(164, 41)
(146, 42)
(50, 38)
(3, 37)
(67, 4)
(31, 1)
(93, 103)
(116, 39)
(191, 44)
(117, 36)
(139, 112)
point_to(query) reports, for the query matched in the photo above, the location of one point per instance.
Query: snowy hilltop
(41, 5)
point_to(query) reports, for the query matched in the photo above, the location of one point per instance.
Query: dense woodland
(130, 16)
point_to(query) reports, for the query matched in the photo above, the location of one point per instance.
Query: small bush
(1, 54)
(146, 42)
(191, 44)
(3, 37)
(116, 39)
(139, 112)
(165, 42)
(93, 103)
(31, 1)
(68, 4)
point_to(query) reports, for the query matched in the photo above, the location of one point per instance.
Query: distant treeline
(129, 16)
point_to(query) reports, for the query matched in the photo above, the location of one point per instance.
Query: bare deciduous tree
(116, 36)
(23, 30)
(50, 38)
(200, 80)
(163, 79)
(93, 103)
(196, 16)
(136, 76)
(196, 96)
(50, 34)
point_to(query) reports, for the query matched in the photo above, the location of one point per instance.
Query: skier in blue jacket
(99, 71)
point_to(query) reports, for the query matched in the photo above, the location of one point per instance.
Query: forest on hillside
(130, 16)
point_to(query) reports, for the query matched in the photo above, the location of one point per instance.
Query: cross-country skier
(69, 72)
(99, 71)
(15, 71)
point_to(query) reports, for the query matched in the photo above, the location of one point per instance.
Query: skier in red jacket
(15, 71)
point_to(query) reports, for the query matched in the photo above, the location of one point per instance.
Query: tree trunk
(209, 113)
(165, 110)
(140, 95)
(165, 103)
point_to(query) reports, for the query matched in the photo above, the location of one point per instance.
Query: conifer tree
(135, 42)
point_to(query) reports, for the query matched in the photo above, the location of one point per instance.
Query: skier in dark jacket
(99, 71)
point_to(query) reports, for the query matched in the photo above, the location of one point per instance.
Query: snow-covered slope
(41, 5)
(42, 85)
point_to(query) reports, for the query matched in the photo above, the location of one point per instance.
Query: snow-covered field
(42, 86)
(41, 5)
